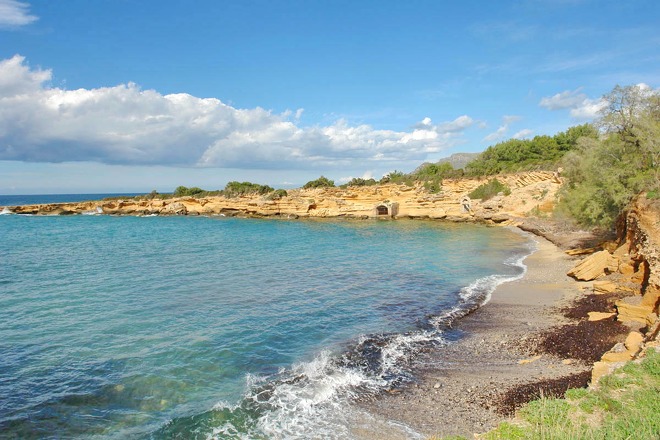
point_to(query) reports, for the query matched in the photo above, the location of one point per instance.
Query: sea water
(211, 327)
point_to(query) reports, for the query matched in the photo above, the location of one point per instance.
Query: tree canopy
(541, 152)
(604, 174)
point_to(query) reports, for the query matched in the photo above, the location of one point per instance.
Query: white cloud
(366, 176)
(14, 14)
(588, 109)
(524, 133)
(580, 105)
(127, 125)
(497, 134)
(503, 129)
(565, 99)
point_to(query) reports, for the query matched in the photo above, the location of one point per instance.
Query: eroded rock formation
(630, 266)
(530, 192)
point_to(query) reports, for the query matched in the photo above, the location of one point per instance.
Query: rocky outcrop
(629, 266)
(594, 266)
(529, 193)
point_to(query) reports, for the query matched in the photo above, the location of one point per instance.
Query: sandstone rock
(622, 252)
(639, 276)
(626, 269)
(651, 297)
(631, 309)
(499, 218)
(617, 357)
(610, 246)
(438, 214)
(580, 251)
(602, 369)
(599, 316)
(594, 266)
(457, 218)
(604, 286)
(633, 341)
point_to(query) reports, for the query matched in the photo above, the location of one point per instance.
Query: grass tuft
(626, 405)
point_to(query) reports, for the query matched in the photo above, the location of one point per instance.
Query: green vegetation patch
(357, 181)
(539, 153)
(626, 405)
(321, 182)
(489, 190)
(237, 189)
(605, 173)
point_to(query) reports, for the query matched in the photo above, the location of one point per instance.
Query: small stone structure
(386, 209)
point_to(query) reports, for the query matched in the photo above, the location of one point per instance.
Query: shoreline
(458, 384)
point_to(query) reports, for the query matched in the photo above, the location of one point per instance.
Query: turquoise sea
(198, 327)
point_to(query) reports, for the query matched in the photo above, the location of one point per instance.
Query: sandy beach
(462, 387)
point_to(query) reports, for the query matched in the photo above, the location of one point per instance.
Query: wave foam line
(480, 292)
(312, 399)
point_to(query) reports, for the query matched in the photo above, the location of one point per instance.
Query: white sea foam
(6, 211)
(97, 211)
(480, 291)
(313, 399)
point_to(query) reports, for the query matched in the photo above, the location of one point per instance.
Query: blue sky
(114, 95)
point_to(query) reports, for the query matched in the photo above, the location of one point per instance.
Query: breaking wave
(314, 399)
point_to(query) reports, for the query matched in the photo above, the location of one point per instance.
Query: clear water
(177, 327)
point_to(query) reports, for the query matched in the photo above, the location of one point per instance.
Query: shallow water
(178, 327)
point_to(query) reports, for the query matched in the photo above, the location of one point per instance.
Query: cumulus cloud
(522, 134)
(580, 105)
(366, 176)
(503, 129)
(127, 125)
(14, 14)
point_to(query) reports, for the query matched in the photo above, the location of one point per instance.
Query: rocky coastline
(530, 192)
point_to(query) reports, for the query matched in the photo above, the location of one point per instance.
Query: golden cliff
(630, 267)
(530, 192)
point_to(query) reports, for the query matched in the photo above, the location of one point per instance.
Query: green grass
(626, 405)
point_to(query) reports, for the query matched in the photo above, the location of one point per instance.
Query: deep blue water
(37, 199)
(179, 327)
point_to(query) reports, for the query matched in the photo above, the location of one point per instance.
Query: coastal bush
(624, 406)
(182, 191)
(277, 194)
(321, 182)
(398, 177)
(237, 189)
(539, 153)
(357, 181)
(429, 175)
(604, 174)
(489, 190)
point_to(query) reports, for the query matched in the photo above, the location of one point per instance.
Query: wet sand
(460, 385)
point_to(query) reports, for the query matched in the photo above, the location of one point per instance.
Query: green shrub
(357, 181)
(489, 190)
(605, 174)
(277, 194)
(236, 189)
(321, 182)
(541, 152)
(182, 191)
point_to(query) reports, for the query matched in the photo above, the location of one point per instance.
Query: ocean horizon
(209, 327)
(39, 199)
